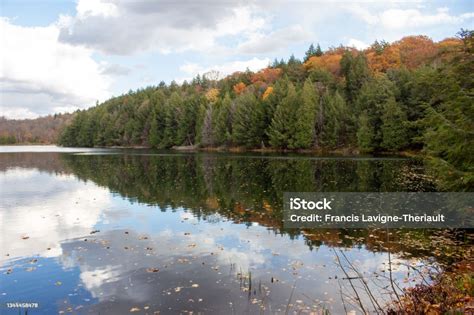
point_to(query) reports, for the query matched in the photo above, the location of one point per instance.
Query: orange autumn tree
(239, 88)
(266, 76)
(382, 59)
(448, 49)
(329, 61)
(416, 50)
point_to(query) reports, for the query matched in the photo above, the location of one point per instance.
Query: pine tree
(372, 99)
(338, 124)
(319, 51)
(207, 129)
(247, 123)
(282, 129)
(186, 116)
(170, 122)
(356, 72)
(306, 117)
(394, 126)
(154, 139)
(310, 52)
(224, 122)
(365, 133)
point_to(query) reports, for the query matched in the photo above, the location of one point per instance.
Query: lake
(112, 231)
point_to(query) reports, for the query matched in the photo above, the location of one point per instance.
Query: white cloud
(254, 64)
(396, 18)
(39, 75)
(114, 69)
(96, 8)
(357, 44)
(265, 43)
(163, 26)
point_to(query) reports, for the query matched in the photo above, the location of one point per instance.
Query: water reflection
(193, 232)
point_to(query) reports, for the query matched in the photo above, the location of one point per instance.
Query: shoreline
(237, 149)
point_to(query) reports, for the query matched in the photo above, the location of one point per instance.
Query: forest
(410, 95)
(41, 130)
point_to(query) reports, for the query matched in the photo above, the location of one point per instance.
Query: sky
(58, 56)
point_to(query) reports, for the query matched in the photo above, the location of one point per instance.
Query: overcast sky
(58, 56)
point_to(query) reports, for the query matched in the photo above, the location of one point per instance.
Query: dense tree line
(411, 94)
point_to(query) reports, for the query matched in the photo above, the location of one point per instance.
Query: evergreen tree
(282, 129)
(306, 115)
(372, 99)
(280, 89)
(319, 51)
(365, 133)
(356, 72)
(224, 122)
(207, 128)
(247, 123)
(337, 130)
(394, 126)
(186, 116)
(310, 52)
(170, 122)
(154, 138)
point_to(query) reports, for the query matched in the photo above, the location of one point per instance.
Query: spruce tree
(310, 52)
(319, 51)
(247, 125)
(365, 133)
(224, 122)
(282, 129)
(306, 117)
(154, 139)
(394, 126)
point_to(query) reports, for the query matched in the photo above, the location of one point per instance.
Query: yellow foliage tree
(267, 92)
(212, 95)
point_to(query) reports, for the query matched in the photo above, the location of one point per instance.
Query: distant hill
(42, 130)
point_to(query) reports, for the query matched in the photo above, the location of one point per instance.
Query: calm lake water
(96, 231)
